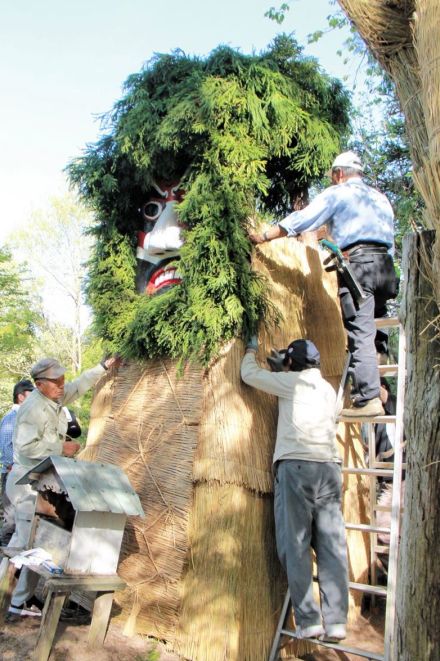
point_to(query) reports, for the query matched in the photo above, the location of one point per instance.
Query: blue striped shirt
(7, 426)
(354, 212)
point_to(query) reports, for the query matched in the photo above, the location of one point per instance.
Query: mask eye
(152, 210)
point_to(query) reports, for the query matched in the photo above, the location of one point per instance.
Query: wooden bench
(56, 588)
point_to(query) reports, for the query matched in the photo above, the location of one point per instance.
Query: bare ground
(17, 641)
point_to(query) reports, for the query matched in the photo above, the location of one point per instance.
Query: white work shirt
(306, 411)
(355, 213)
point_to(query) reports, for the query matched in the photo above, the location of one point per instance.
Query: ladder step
(388, 370)
(379, 419)
(366, 527)
(383, 464)
(371, 589)
(382, 549)
(386, 508)
(387, 322)
(339, 647)
(380, 472)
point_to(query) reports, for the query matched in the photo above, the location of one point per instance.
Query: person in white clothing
(307, 487)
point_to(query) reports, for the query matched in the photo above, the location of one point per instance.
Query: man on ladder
(307, 486)
(360, 221)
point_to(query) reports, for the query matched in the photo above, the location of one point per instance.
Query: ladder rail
(339, 647)
(390, 613)
(281, 622)
(340, 395)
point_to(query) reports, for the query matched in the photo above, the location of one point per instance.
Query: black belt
(365, 249)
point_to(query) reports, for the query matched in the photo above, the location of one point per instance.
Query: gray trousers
(375, 272)
(308, 515)
(8, 524)
(23, 499)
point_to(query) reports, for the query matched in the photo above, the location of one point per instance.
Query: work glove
(252, 343)
(275, 360)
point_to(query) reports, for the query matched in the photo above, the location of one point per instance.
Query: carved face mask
(160, 240)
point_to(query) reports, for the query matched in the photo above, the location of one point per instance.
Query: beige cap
(47, 368)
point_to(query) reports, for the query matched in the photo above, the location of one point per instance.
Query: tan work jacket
(42, 424)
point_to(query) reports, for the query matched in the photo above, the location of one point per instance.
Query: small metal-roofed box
(80, 513)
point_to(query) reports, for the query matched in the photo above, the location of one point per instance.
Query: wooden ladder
(375, 470)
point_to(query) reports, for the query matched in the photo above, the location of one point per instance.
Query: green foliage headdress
(240, 133)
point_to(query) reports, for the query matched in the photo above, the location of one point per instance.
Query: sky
(64, 64)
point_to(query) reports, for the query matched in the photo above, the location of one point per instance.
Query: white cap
(348, 159)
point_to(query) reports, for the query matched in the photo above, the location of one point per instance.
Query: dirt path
(17, 641)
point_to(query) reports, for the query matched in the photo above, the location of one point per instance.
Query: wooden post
(418, 599)
(7, 580)
(49, 622)
(100, 618)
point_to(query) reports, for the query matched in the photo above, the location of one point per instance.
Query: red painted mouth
(168, 276)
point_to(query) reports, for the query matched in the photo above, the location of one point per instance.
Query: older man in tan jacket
(40, 431)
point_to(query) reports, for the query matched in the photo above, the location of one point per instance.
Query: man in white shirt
(307, 487)
(361, 222)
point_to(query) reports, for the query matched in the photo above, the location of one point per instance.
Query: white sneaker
(25, 610)
(334, 633)
(312, 631)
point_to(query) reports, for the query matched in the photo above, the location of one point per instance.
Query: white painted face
(160, 242)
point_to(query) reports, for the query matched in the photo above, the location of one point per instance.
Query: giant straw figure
(194, 148)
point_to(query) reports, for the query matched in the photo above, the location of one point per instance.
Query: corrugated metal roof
(92, 486)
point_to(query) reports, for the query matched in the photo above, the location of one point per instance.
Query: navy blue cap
(303, 352)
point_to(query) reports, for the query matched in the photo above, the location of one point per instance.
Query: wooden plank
(366, 527)
(7, 581)
(85, 583)
(376, 472)
(49, 622)
(96, 543)
(378, 419)
(53, 539)
(381, 548)
(387, 322)
(388, 370)
(9, 552)
(370, 589)
(100, 618)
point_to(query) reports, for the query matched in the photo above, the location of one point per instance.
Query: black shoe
(75, 614)
(31, 608)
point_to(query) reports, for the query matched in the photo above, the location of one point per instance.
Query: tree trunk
(418, 591)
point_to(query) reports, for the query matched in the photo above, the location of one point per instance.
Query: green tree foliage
(387, 160)
(240, 132)
(18, 306)
(378, 127)
(57, 256)
(19, 320)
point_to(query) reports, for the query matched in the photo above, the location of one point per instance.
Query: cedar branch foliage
(242, 133)
(19, 306)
